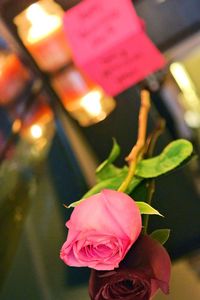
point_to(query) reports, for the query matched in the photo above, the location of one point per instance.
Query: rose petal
(147, 262)
(154, 259)
(109, 212)
(101, 231)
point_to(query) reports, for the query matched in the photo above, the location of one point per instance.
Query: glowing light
(42, 22)
(186, 85)
(2, 61)
(36, 131)
(192, 118)
(16, 126)
(181, 76)
(92, 103)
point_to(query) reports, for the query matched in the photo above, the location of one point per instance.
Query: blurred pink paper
(109, 44)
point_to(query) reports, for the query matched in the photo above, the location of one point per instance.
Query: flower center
(127, 284)
(129, 288)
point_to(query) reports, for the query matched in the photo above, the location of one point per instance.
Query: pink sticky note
(108, 43)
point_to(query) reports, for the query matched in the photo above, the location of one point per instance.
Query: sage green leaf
(160, 235)
(146, 209)
(105, 169)
(171, 157)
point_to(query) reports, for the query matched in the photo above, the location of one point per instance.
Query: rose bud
(145, 269)
(102, 229)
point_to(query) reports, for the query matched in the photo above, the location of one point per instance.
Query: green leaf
(171, 157)
(112, 184)
(74, 204)
(106, 169)
(110, 171)
(133, 184)
(146, 209)
(186, 162)
(160, 235)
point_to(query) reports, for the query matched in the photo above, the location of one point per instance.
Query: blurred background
(56, 125)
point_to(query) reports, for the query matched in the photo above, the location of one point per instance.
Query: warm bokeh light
(189, 96)
(40, 28)
(185, 83)
(16, 126)
(42, 23)
(92, 103)
(192, 118)
(181, 76)
(13, 77)
(83, 98)
(36, 131)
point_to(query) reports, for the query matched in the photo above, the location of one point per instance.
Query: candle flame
(36, 131)
(42, 22)
(92, 103)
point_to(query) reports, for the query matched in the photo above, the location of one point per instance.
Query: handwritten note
(109, 44)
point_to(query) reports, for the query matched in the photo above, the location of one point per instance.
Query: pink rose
(101, 231)
(144, 270)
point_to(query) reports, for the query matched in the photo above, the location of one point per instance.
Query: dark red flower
(145, 269)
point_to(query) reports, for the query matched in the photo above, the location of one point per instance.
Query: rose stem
(137, 150)
(153, 137)
(150, 145)
(150, 192)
